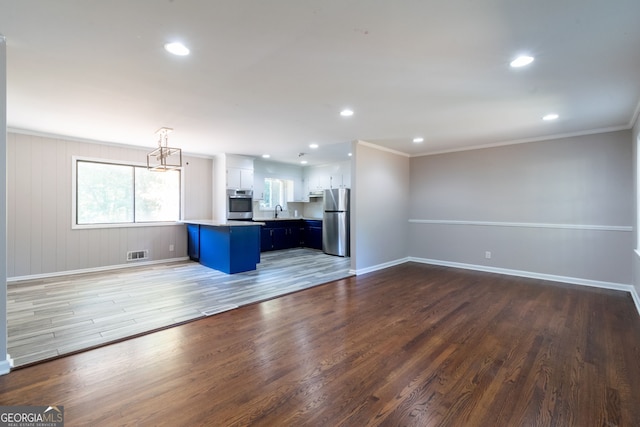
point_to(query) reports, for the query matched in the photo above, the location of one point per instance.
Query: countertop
(286, 219)
(224, 223)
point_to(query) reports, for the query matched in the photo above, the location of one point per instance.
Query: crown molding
(381, 148)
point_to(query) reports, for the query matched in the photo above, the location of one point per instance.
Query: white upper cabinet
(305, 180)
(334, 175)
(239, 178)
(318, 178)
(258, 184)
(239, 172)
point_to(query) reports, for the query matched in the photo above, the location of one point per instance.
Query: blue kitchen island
(227, 246)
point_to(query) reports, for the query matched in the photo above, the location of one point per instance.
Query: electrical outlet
(487, 255)
(170, 248)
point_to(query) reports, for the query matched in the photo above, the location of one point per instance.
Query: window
(276, 192)
(110, 193)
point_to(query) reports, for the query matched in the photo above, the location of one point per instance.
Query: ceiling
(272, 76)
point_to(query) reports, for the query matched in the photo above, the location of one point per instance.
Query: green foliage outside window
(109, 193)
(276, 192)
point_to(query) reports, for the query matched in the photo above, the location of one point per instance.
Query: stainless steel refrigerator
(335, 222)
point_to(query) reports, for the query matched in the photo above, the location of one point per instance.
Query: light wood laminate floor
(61, 315)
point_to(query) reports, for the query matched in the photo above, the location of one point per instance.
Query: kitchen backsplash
(304, 209)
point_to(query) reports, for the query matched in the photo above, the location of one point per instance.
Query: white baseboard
(6, 365)
(636, 298)
(380, 266)
(551, 277)
(93, 270)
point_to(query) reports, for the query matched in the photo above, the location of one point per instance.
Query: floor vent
(137, 255)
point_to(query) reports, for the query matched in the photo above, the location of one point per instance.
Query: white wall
(635, 139)
(40, 238)
(4, 357)
(380, 204)
(558, 207)
(198, 195)
(219, 187)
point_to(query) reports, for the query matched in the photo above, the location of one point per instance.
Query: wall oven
(240, 204)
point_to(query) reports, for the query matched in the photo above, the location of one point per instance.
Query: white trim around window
(74, 225)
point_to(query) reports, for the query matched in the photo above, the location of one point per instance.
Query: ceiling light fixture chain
(163, 136)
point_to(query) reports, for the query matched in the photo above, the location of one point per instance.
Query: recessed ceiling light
(350, 154)
(418, 139)
(266, 156)
(346, 113)
(303, 162)
(313, 145)
(550, 117)
(177, 48)
(521, 61)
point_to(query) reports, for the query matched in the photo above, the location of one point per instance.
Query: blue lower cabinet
(230, 249)
(313, 234)
(280, 238)
(283, 234)
(280, 234)
(266, 239)
(193, 241)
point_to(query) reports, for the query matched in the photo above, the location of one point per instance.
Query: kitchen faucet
(277, 206)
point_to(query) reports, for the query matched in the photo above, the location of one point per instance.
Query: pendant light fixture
(164, 158)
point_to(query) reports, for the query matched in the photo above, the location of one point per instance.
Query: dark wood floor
(410, 345)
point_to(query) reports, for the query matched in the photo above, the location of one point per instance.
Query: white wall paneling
(40, 237)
